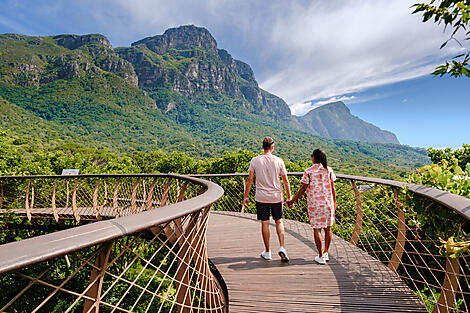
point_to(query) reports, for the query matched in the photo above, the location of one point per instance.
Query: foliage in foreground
(454, 14)
(462, 155)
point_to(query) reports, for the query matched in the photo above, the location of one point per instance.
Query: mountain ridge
(132, 98)
(334, 120)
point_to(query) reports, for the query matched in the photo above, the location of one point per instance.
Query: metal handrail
(452, 201)
(23, 253)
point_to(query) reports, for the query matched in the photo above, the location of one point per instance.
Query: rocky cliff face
(186, 60)
(104, 57)
(335, 121)
(75, 41)
(41, 60)
(181, 38)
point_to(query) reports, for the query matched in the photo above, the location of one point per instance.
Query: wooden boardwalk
(352, 281)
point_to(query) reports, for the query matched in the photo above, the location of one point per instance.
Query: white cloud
(302, 51)
(347, 47)
(303, 107)
(334, 99)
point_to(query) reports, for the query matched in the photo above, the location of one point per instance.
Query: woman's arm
(297, 195)
(333, 190)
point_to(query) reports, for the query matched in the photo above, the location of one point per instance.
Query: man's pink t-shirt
(268, 168)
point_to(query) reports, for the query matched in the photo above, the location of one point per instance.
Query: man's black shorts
(265, 209)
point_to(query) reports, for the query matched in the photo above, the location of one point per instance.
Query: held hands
(290, 203)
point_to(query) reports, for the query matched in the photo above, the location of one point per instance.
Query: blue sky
(425, 112)
(372, 54)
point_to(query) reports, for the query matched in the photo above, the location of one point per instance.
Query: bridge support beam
(182, 278)
(96, 279)
(449, 287)
(357, 228)
(401, 236)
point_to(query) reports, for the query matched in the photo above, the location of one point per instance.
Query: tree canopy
(453, 14)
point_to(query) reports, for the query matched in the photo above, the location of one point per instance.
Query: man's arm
(285, 180)
(248, 185)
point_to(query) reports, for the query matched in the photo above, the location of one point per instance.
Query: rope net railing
(385, 219)
(120, 243)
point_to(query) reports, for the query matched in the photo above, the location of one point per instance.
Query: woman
(318, 180)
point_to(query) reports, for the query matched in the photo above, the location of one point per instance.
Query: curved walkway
(352, 281)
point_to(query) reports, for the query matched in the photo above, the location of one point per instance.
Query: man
(267, 168)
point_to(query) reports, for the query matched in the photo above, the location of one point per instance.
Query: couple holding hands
(317, 180)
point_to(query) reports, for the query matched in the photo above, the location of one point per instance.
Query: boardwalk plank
(352, 281)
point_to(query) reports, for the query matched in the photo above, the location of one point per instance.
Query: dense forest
(26, 155)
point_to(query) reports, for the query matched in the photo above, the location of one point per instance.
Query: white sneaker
(266, 255)
(320, 260)
(283, 254)
(325, 257)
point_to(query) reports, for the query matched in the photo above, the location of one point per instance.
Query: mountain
(186, 61)
(334, 120)
(176, 91)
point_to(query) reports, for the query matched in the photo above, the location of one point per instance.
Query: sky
(374, 55)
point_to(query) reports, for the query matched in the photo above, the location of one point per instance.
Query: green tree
(453, 14)
(462, 155)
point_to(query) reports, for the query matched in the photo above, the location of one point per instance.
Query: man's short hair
(267, 143)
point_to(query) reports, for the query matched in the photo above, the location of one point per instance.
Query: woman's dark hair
(320, 157)
(267, 143)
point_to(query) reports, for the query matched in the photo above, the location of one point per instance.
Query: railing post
(449, 288)
(54, 206)
(31, 205)
(243, 199)
(357, 228)
(145, 190)
(401, 236)
(1, 196)
(68, 193)
(74, 201)
(28, 211)
(150, 195)
(173, 233)
(165, 192)
(96, 207)
(134, 197)
(116, 209)
(96, 279)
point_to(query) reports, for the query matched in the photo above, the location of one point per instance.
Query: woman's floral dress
(320, 204)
